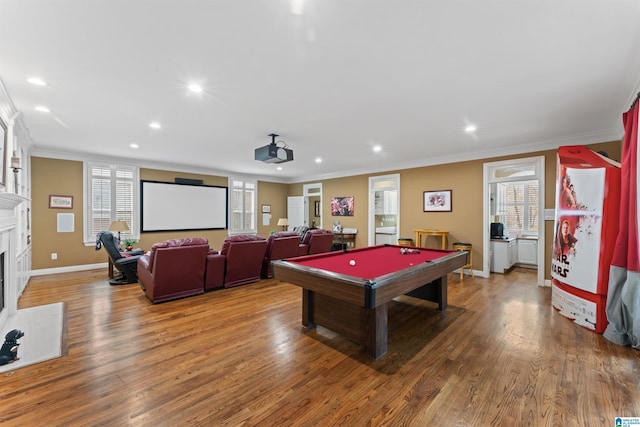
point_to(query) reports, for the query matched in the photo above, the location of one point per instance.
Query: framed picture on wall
(60, 202)
(266, 208)
(437, 201)
(342, 206)
(317, 208)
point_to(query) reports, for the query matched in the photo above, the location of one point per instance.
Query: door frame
(539, 165)
(312, 190)
(395, 178)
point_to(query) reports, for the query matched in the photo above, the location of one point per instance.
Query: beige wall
(50, 176)
(62, 177)
(53, 176)
(275, 195)
(465, 180)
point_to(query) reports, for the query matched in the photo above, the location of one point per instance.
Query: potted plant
(128, 244)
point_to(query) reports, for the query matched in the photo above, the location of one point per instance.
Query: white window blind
(111, 192)
(243, 202)
(520, 206)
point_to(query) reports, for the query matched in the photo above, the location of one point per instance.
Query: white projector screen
(167, 206)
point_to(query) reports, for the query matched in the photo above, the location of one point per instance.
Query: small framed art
(60, 202)
(437, 201)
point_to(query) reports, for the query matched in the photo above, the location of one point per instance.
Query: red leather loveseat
(238, 262)
(173, 269)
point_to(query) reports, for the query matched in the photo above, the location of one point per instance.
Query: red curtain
(623, 298)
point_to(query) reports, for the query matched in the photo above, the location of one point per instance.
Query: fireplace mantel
(11, 200)
(9, 245)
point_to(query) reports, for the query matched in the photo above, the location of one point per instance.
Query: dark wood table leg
(435, 291)
(307, 308)
(377, 328)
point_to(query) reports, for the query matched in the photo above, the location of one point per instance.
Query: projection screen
(167, 206)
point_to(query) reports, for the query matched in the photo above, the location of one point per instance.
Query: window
(112, 195)
(518, 203)
(243, 204)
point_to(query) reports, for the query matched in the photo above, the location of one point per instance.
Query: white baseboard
(69, 269)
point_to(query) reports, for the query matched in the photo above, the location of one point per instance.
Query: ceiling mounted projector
(272, 153)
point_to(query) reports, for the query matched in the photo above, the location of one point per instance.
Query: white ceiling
(333, 81)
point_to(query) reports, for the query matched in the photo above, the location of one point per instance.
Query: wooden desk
(420, 233)
(348, 238)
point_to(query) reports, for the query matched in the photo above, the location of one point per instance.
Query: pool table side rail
(363, 292)
(414, 277)
(347, 288)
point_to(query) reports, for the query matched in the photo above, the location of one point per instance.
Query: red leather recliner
(280, 245)
(316, 241)
(173, 269)
(239, 262)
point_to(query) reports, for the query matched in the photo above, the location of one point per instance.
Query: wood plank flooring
(499, 356)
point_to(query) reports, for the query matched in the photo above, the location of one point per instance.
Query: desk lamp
(119, 226)
(284, 222)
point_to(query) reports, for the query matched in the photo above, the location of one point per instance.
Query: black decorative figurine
(9, 350)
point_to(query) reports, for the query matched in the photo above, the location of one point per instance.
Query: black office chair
(127, 265)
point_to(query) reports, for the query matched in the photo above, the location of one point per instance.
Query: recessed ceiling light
(297, 7)
(43, 109)
(318, 160)
(470, 128)
(154, 125)
(279, 168)
(133, 145)
(36, 81)
(377, 148)
(195, 88)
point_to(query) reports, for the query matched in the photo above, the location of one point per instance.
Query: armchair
(239, 262)
(316, 241)
(173, 269)
(280, 245)
(125, 263)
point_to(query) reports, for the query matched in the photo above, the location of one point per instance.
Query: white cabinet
(386, 202)
(385, 239)
(390, 202)
(504, 255)
(528, 251)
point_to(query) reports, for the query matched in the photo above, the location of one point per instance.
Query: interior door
(295, 211)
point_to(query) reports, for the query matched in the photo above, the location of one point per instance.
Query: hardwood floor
(500, 356)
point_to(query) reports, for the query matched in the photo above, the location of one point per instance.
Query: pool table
(347, 291)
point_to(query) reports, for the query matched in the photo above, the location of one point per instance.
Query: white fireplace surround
(9, 245)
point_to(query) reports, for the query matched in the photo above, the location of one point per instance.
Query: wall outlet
(54, 255)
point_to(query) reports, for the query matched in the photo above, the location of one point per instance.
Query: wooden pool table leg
(435, 291)
(370, 330)
(376, 334)
(307, 309)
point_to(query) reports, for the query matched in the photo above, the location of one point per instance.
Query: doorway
(384, 209)
(499, 206)
(306, 210)
(313, 204)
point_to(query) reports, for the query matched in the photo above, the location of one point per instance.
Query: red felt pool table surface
(372, 261)
(352, 299)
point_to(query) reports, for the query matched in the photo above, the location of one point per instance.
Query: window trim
(88, 193)
(233, 227)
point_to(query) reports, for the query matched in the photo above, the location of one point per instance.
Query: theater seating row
(179, 268)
